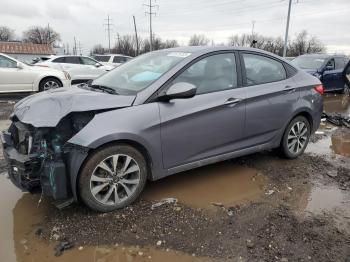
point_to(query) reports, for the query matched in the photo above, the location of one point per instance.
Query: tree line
(301, 43)
(34, 34)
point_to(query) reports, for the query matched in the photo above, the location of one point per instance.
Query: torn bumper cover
(30, 172)
(54, 174)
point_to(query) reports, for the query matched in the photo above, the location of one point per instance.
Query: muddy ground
(255, 208)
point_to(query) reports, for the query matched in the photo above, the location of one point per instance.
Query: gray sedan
(159, 114)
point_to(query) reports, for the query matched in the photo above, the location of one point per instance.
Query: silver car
(159, 114)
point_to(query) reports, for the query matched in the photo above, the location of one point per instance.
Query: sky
(179, 19)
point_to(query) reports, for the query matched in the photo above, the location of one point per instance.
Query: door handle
(289, 89)
(232, 101)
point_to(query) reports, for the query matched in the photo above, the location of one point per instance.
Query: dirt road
(254, 208)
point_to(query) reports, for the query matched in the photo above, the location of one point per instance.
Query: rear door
(271, 97)
(210, 123)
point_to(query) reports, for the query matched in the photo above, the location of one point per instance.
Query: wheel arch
(137, 145)
(307, 115)
(45, 78)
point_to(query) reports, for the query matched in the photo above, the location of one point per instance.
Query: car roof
(111, 55)
(208, 49)
(323, 55)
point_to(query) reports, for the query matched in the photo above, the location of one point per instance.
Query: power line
(108, 24)
(150, 13)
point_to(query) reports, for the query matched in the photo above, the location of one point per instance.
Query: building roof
(25, 48)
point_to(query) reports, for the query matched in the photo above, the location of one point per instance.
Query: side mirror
(98, 65)
(19, 65)
(179, 90)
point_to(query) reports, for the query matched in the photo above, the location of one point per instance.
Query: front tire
(112, 178)
(295, 138)
(49, 83)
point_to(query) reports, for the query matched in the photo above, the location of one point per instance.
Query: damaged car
(159, 114)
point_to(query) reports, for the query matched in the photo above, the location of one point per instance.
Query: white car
(80, 68)
(112, 59)
(16, 76)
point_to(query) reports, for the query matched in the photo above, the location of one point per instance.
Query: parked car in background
(330, 69)
(16, 76)
(162, 113)
(112, 59)
(40, 59)
(80, 68)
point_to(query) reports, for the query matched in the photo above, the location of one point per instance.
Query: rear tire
(49, 83)
(295, 138)
(112, 178)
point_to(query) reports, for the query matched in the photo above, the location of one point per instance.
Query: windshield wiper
(106, 89)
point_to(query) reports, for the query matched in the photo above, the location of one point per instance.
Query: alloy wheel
(297, 137)
(50, 85)
(115, 179)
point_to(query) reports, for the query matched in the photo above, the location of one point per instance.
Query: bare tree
(40, 35)
(126, 45)
(170, 44)
(98, 50)
(198, 40)
(6, 33)
(300, 45)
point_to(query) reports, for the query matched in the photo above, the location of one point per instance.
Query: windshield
(137, 74)
(305, 62)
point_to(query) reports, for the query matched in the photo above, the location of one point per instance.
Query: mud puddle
(336, 103)
(222, 183)
(19, 241)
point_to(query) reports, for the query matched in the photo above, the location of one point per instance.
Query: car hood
(46, 109)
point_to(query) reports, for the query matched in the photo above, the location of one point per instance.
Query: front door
(14, 79)
(210, 123)
(271, 98)
(332, 78)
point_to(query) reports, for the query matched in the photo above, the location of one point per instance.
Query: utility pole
(136, 38)
(253, 25)
(108, 24)
(150, 13)
(287, 29)
(75, 47)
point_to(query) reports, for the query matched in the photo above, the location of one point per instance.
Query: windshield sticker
(179, 54)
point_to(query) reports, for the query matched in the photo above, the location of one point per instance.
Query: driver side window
(7, 63)
(211, 74)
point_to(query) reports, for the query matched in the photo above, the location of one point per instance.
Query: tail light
(319, 89)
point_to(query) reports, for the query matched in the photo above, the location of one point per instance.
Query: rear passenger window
(211, 74)
(72, 60)
(260, 69)
(59, 60)
(119, 59)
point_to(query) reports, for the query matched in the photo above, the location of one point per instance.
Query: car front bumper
(32, 172)
(66, 83)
